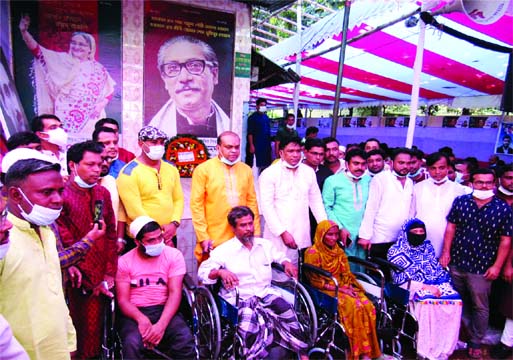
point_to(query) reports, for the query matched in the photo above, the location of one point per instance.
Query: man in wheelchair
(149, 291)
(267, 323)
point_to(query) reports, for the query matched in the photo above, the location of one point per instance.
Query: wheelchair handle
(278, 266)
(391, 265)
(363, 262)
(188, 282)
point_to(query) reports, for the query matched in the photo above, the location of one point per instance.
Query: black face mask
(416, 239)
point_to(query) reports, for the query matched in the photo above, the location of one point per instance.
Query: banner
(69, 61)
(188, 70)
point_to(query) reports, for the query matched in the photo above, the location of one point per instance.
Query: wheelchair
(218, 319)
(396, 324)
(111, 347)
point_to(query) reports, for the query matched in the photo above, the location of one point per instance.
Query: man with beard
(218, 185)
(332, 155)
(375, 162)
(345, 196)
(31, 296)
(433, 198)
(477, 241)
(81, 196)
(287, 190)
(417, 171)
(244, 263)
(388, 205)
(109, 138)
(149, 291)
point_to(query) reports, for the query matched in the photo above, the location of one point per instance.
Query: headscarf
(419, 262)
(90, 39)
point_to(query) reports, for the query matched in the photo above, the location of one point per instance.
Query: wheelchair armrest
(277, 266)
(317, 270)
(388, 264)
(188, 282)
(363, 262)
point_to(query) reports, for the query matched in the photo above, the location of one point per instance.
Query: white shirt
(285, 196)
(431, 204)
(61, 159)
(388, 207)
(252, 267)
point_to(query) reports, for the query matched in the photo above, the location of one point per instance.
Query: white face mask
(459, 177)
(154, 250)
(415, 174)
(439, 181)
(291, 127)
(262, 109)
(228, 162)
(39, 215)
(505, 191)
(399, 175)
(57, 137)
(82, 183)
(3, 250)
(155, 152)
(289, 166)
(482, 194)
(354, 177)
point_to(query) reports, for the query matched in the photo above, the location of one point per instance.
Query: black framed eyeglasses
(193, 66)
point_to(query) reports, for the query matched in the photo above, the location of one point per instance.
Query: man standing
(375, 161)
(259, 137)
(345, 195)
(218, 185)
(371, 144)
(81, 196)
(313, 157)
(123, 154)
(388, 205)
(53, 138)
(417, 171)
(31, 296)
(150, 186)
(433, 198)
(149, 291)
(189, 69)
(287, 131)
(287, 189)
(332, 156)
(476, 243)
(109, 138)
(244, 262)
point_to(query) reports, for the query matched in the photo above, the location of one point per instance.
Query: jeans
(177, 340)
(474, 290)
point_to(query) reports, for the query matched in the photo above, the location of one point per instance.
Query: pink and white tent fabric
(378, 69)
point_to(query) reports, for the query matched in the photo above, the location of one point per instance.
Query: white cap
(342, 148)
(22, 154)
(138, 224)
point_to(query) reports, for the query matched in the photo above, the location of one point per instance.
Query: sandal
(474, 351)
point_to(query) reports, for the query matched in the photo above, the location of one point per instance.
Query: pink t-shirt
(148, 276)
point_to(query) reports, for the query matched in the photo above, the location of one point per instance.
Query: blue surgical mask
(154, 250)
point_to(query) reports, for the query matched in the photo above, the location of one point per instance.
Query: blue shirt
(115, 168)
(259, 126)
(478, 232)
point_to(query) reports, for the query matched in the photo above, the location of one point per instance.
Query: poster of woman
(188, 69)
(66, 76)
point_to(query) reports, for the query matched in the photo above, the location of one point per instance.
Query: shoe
(501, 351)
(474, 351)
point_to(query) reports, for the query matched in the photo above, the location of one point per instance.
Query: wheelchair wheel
(306, 313)
(208, 324)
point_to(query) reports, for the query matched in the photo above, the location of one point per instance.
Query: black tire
(208, 324)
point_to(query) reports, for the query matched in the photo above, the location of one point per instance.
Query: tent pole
(299, 28)
(417, 70)
(345, 25)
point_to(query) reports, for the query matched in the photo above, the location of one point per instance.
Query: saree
(435, 314)
(357, 314)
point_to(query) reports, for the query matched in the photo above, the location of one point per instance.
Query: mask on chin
(399, 175)
(505, 191)
(290, 127)
(289, 166)
(39, 215)
(228, 162)
(81, 183)
(439, 182)
(354, 177)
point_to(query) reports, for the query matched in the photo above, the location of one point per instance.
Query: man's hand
(492, 273)
(364, 243)
(102, 288)
(154, 335)
(75, 276)
(252, 148)
(445, 258)
(207, 246)
(288, 240)
(24, 23)
(290, 269)
(169, 233)
(507, 272)
(144, 325)
(432, 289)
(95, 233)
(230, 280)
(344, 235)
(120, 246)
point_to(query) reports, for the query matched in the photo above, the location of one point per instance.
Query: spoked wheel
(208, 324)
(306, 313)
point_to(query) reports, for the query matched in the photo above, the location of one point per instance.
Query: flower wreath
(186, 152)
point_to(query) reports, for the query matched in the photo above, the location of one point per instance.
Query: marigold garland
(186, 152)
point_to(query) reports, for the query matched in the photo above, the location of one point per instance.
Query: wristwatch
(175, 223)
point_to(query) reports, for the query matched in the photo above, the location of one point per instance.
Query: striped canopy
(378, 69)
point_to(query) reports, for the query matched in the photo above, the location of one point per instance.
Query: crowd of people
(92, 221)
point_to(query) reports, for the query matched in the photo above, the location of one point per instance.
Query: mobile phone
(98, 213)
